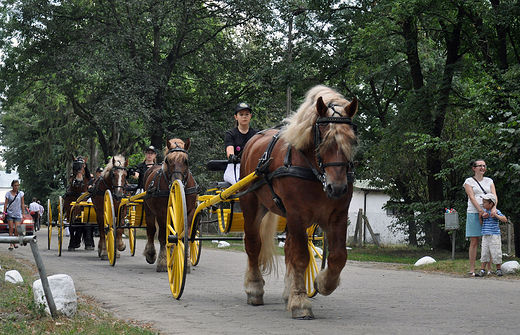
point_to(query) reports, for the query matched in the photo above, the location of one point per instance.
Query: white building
(371, 200)
(5, 182)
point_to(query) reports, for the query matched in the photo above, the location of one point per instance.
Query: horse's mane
(175, 156)
(299, 131)
(120, 161)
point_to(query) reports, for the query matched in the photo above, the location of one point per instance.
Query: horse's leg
(296, 261)
(88, 237)
(149, 250)
(253, 281)
(328, 280)
(102, 246)
(161, 259)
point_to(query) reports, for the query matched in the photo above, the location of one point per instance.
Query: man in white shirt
(34, 208)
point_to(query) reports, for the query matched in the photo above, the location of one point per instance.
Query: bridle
(183, 175)
(75, 170)
(112, 176)
(323, 121)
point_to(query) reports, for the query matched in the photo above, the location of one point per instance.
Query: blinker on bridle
(178, 149)
(325, 120)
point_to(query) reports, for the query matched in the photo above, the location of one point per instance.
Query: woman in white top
(14, 205)
(475, 187)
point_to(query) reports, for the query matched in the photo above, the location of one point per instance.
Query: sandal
(16, 246)
(10, 248)
(471, 274)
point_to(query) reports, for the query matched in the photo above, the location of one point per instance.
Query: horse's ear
(168, 145)
(351, 109)
(85, 159)
(321, 108)
(126, 162)
(187, 144)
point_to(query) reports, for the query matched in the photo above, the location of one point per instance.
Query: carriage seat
(219, 184)
(217, 165)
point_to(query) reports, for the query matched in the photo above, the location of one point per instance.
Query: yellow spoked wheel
(176, 239)
(60, 225)
(49, 224)
(108, 220)
(195, 245)
(131, 240)
(313, 269)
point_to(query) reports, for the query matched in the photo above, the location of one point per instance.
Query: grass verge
(20, 315)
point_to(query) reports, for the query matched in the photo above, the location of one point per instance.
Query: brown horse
(78, 185)
(158, 180)
(113, 178)
(308, 176)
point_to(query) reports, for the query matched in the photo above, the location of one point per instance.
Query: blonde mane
(299, 131)
(120, 161)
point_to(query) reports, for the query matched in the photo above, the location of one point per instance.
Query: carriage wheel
(312, 269)
(176, 239)
(131, 240)
(108, 220)
(311, 272)
(195, 245)
(49, 224)
(60, 225)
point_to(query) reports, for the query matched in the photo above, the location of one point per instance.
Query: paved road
(370, 300)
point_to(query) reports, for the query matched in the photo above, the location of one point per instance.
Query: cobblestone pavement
(370, 299)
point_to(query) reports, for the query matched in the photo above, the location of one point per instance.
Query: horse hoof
(161, 268)
(89, 248)
(255, 301)
(104, 257)
(302, 314)
(121, 247)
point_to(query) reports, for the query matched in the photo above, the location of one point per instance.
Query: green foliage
(437, 84)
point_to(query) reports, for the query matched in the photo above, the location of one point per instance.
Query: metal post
(43, 278)
(453, 245)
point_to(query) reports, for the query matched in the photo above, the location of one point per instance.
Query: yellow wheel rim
(195, 250)
(176, 238)
(312, 269)
(131, 240)
(109, 219)
(60, 225)
(49, 224)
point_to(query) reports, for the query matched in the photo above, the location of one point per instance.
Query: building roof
(365, 186)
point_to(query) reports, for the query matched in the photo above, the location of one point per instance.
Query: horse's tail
(268, 261)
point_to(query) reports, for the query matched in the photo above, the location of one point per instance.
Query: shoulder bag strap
(12, 201)
(480, 185)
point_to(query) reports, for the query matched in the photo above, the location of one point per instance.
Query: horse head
(175, 164)
(116, 173)
(335, 138)
(79, 166)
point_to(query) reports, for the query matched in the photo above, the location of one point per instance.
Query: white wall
(377, 217)
(5, 183)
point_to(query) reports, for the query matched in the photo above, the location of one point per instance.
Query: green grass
(20, 315)
(404, 257)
